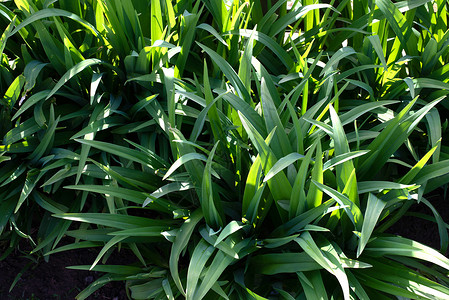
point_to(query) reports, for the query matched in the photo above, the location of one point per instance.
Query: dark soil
(420, 230)
(51, 280)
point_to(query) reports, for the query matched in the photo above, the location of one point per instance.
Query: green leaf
(141, 231)
(167, 289)
(442, 226)
(375, 41)
(229, 72)
(434, 124)
(73, 72)
(351, 209)
(385, 287)
(356, 286)
(210, 111)
(210, 236)
(114, 269)
(100, 111)
(250, 211)
(335, 59)
(166, 189)
(245, 63)
(21, 131)
(7, 209)
(314, 195)
(339, 159)
(405, 247)
(35, 98)
(48, 204)
(281, 145)
(181, 241)
(375, 186)
(362, 85)
(98, 125)
(14, 91)
(53, 12)
(430, 173)
(298, 199)
(13, 174)
(187, 36)
(232, 227)
(373, 211)
(125, 152)
(7, 32)
(219, 264)
(276, 263)
(278, 242)
(414, 171)
(394, 135)
(31, 73)
(109, 245)
(112, 220)
(295, 15)
(182, 160)
(246, 110)
(393, 278)
(281, 164)
(301, 221)
(396, 20)
(346, 170)
(410, 85)
(279, 185)
(264, 39)
(30, 183)
(203, 251)
(79, 245)
(127, 194)
(210, 205)
(313, 285)
(326, 258)
(4, 158)
(96, 78)
(100, 282)
(212, 31)
(430, 83)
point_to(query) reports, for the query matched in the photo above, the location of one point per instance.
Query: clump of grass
(237, 150)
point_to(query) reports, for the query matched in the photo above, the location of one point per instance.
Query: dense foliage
(239, 149)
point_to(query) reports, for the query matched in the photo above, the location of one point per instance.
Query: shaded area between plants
(53, 281)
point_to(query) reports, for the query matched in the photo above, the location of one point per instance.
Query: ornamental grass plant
(239, 149)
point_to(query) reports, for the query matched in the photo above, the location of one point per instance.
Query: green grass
(234, 158)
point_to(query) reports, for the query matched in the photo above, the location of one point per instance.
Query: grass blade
(373, 210)
(281, 164)
(330, 262)
(181, 241)
(203, 251)
(405, 247)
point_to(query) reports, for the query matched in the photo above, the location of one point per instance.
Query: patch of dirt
(51, 280)
(420, 230)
